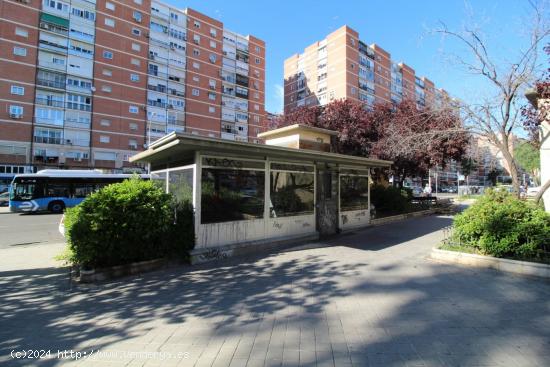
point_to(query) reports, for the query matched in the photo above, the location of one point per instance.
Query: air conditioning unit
(92, 88)
(69, 142)
(15, 115)
(170, 106)
(213, 87)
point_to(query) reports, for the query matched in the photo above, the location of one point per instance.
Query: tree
(528, 159)
(413, 139)
(497, 116)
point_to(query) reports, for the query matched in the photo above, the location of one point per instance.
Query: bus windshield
(22, 191)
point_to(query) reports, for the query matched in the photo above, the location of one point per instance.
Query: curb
(488, 262)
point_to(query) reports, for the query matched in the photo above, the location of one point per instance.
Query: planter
(399, 217)
(525, 268)
(97, 275)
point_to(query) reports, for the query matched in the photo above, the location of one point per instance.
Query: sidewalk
(369, 298)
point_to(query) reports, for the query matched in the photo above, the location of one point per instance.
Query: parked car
(4, 199)
(417, 191)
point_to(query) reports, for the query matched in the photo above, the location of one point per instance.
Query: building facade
(343, 67)
(87, 84)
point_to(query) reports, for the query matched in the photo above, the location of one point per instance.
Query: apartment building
(341, 66)
(87, 84)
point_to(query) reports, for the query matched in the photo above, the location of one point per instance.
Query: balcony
(176, 93)
(242, 80)
(157, 74)
(51, 83)
(159, 15)
(50, 46)
(49, 102)
(156, 103)
(157, 88)
(157, 58)
(48, 121)
(79, 106)
(51, 65)
(48, 140)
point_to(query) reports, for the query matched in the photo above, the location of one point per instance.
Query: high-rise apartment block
(86, 83)
(343, 67)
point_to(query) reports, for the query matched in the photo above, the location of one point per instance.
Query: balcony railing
(79, 106)
(157, 74)
(48, 140)
(157, 88)
(49, 122)
(175, 92)
(52, 47)
(51, 65)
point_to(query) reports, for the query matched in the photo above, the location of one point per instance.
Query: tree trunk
(511, 166)
(542, 191)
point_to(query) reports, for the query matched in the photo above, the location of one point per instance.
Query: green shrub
(127, 222)
(390, 200)
(499, 224)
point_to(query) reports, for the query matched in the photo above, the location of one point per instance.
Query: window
(21, 32)
(213, 32)
(292, 190)
(16, 111)
(107, 72)
(133, 109)
(105, 122)
(354, 192)
(256, 107)
(257, 48)
(139, 2)
(212, 109)
(104, 139)
(230, 194)
(211, 96)
(212, 58)
(133, 126)
(195, 92)
(136, 32)
(196, 79)
(196, 24)
(110, 6)
(19, 51)
(109, 22)
(212, 83)
(196, 52)
(196, 65)
(196, 39)
(106, 88)
(136, 47)
(134, 77)
(135, 62)
(137, 16)
(15, 89)
(213, 44)
(107, 55)
(257, 61)
(132, 143)
(256, 118)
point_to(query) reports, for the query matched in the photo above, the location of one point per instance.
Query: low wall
(396, 218)
(488, 262)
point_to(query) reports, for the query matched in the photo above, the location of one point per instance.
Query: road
(29, 230)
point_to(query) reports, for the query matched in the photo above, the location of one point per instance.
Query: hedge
(501, 225)
(128, 222)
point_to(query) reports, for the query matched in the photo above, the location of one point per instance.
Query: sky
(401, 27)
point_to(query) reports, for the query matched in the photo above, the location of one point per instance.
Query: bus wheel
(56, 207)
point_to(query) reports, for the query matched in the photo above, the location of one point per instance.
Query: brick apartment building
(87, 84)
(342, 66)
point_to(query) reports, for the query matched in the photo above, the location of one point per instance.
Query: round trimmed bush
(501, 225)
(128, 222)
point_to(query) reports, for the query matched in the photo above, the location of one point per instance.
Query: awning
(48, 18)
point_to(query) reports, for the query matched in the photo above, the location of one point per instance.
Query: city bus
(54, 190)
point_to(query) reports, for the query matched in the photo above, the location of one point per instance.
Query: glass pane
(159, 179)
(231, 163)
(291, 167)
(58, 190)
(354, 193)
(180, 184)
(229, 195)
(291, 194)
(83, 190)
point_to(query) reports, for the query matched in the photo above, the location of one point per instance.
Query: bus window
(57, 190)
(82, 190)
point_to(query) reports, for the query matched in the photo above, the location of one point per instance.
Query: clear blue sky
(399, 26)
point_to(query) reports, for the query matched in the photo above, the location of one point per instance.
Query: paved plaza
(368, 298)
